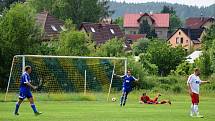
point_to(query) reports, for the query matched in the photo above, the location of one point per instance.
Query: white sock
(192, 110)
(196, 109)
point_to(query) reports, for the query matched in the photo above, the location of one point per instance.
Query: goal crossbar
(80, 57)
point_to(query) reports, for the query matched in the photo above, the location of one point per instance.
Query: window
(112, 31)
(177, 40)
(182, 40)
(62, 28)
(54, 28)
(179, 33)
(92, 29)
(186, 41)
(159, 32)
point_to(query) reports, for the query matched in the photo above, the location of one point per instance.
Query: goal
(68, 74)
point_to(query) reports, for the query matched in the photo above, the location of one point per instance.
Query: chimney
(151, 12)
(202, 18)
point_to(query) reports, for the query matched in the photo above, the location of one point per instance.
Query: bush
(177, 89)
(145, 85)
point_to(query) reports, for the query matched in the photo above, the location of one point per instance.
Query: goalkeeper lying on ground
(144, 99)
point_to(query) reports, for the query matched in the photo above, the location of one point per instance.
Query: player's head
(129, 72)
(197, 72)
(28, 69)
(144, 94)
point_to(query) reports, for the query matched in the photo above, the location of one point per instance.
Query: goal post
(69, 74)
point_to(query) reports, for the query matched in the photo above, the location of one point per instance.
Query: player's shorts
(195, 98)
(24, 94)
(127, 90)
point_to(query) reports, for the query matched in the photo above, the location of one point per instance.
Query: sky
(198, 3)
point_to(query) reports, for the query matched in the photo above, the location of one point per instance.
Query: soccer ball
(113, 99)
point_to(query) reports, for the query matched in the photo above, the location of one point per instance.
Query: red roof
(135, 36)
(197, 22)
(160, 19)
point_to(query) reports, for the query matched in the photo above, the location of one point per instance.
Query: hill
(183, 11)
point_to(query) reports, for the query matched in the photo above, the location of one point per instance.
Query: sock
(121, 100)
(34, 108)
(196, 109)
(192, 109)
(125, 100)
(17, 107)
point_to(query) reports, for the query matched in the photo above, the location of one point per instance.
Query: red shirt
(145, 98)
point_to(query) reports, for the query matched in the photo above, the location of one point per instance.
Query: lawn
(110, 111)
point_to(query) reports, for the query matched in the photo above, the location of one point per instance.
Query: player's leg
(156, 97)
(31, 100)
(165, 101)
(122, 97)
(195, 101)
(125, 97)
(192, 105)
(19, 102)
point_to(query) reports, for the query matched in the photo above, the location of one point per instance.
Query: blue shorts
(24, 94)
(127, 90)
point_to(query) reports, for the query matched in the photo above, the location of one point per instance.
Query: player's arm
(27, 82)
(188, 85)
(189, 88)
(136, 79)
(121, 76)
(203, 82)
(30, 85)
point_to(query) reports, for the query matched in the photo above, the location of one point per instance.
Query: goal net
(68, 74)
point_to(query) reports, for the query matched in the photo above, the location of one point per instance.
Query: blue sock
(34, 108)
(17, 107)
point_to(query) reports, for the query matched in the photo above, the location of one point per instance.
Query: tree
(19, 35)
(5, 4)
(119, 21)
(164, 56)
(145, 28)
(175, 21)
(77, 10)
(113, 47)
(73, 43)
(140, 46)
(212, 56)
(168, 9)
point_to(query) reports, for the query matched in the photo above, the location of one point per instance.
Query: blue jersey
(25, 79)
(127, 82)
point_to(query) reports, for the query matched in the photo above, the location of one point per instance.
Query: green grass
(101, 110)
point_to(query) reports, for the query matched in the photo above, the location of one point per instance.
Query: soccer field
(109, 111)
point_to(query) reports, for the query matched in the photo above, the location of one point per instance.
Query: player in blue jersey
(126, 87)
(25, 87)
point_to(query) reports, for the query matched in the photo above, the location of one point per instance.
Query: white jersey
(194, 82)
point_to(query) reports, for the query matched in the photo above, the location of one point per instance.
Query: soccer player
(25, 86)
(144, 99)
(126, 87)
(193, 83)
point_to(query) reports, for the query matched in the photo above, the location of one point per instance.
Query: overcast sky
(186, 2)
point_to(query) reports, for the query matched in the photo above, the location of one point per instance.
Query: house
(187, 38)
(158, 21)
(199, 22)
(190, 37)
(102, 32)
(50, 24)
